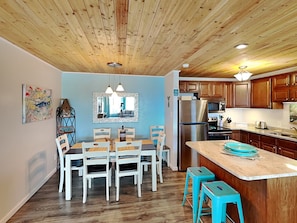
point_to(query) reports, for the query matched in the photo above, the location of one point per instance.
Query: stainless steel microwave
(216, 105)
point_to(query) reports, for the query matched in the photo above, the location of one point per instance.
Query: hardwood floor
(164, 205)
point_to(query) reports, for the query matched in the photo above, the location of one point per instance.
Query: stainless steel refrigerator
(192, 126)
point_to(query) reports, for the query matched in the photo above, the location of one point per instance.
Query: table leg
(68, 179)
(154, 172)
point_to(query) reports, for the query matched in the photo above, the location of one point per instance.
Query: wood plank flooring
(164, 205)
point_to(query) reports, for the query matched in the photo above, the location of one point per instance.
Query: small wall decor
(293, 113)
(37, 103)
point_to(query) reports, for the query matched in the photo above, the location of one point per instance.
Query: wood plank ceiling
(154, 37)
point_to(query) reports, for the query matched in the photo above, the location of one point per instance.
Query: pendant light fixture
(120, 86)
(243, 74)
(109, 89)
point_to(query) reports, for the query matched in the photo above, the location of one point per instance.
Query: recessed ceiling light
(241, 46)
(186, 65)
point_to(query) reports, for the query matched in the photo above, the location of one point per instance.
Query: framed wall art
(37, 103)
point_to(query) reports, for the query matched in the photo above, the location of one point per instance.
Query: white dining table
(75, 153)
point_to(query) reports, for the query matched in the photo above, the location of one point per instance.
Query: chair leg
(201, 200)
(160, 171)
(61, 184)
(90, 182)
(139, 185)
(186, 189)
(80, 172)
(107, 187)
(85, 189)
(141, 173)
(117, 184)
(168, 157)
(145, 168)
(109, 177)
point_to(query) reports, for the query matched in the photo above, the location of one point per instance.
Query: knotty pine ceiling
(154, 37)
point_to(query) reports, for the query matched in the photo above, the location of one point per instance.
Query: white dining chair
(130, 133)
(154, 133)
(127, 158)
(160, 146)
(101, 133)
(96, 164)
(63, 147)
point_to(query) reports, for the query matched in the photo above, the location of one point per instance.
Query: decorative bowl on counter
(240, 149)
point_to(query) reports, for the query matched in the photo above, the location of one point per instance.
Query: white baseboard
(27, 197)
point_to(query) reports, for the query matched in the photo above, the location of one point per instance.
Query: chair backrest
(154, 132)
(128, 152)
(101, 133)
(95, 154)
(130, 133)
(63, 147)
(160, 144)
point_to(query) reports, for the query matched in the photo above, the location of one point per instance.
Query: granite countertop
(280, 133)
(268, 165)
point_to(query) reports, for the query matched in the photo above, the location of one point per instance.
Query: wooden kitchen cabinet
(287, 148)
(211, 89)
(241, 97)
(228, 91)
(272, 144)
(244, 136)
(254, 139)
(284, 87)
(189, 87)
(235, 135)
(261, 94)
(269, 143)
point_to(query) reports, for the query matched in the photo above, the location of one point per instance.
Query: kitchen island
(267, 184)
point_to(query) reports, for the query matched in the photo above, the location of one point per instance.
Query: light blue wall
(78, 88)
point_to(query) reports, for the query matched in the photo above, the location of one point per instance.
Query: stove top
(218, 129)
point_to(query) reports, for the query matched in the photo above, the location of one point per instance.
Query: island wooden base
(270, 200)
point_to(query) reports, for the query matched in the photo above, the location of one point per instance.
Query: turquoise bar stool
(198, 175)
(220, 194)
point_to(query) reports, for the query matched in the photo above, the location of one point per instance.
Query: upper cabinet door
(241, 94)
(188, 86)
(282, 80)
(228, 94)
(284, 87)
(211, 89)
(261, 93)
(293, 79)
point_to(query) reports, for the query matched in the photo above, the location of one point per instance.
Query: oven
(218, 133)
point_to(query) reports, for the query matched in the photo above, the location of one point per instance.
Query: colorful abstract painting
(37, 103)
